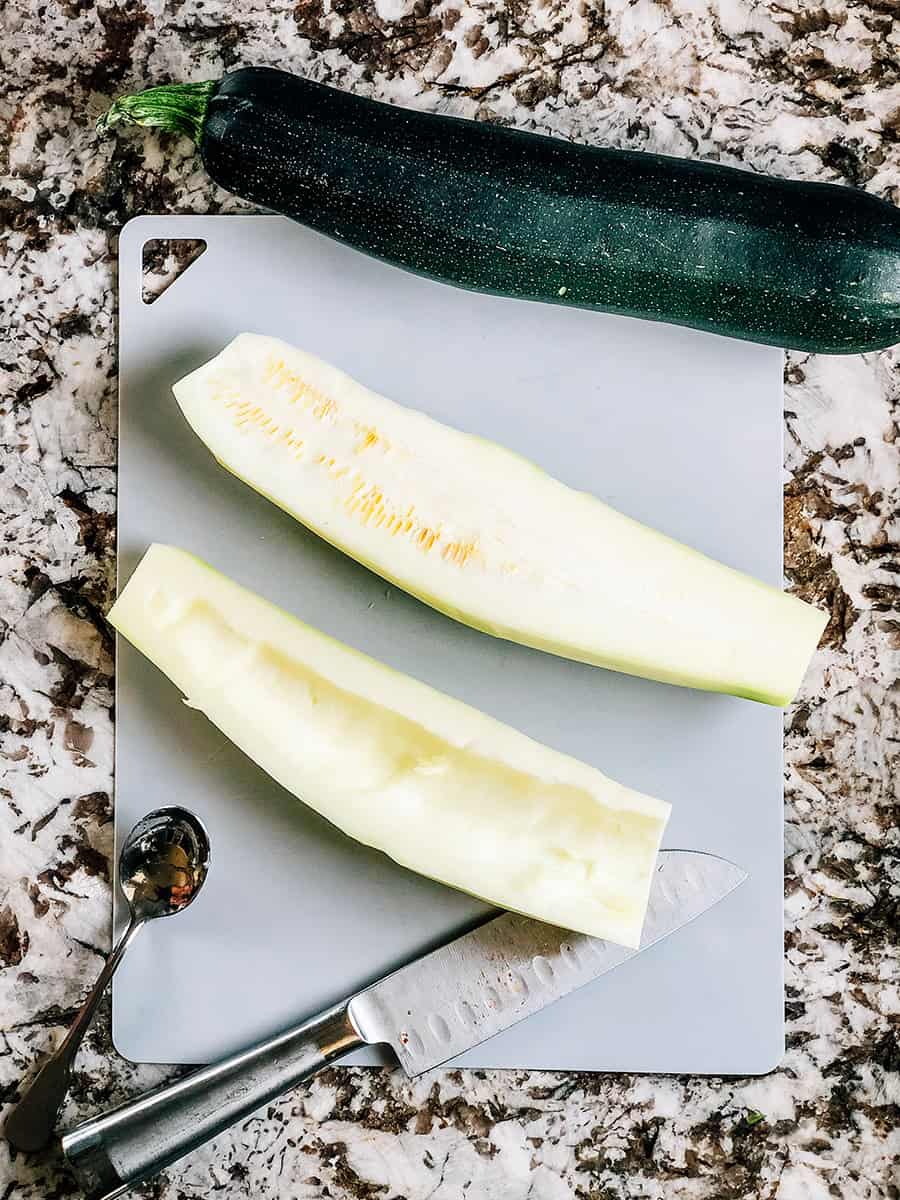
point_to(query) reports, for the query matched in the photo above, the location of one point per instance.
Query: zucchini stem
(175, 107)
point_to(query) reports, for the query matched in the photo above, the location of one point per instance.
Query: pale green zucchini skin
(808, 266)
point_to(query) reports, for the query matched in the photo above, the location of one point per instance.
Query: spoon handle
(29, 1127)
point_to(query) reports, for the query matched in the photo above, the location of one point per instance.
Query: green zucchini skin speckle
(809, 266)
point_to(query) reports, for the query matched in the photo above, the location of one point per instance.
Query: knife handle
(132, 1143)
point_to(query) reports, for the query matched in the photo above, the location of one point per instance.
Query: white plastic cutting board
(679, 429)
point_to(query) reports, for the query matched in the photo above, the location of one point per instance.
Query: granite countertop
(809, 91)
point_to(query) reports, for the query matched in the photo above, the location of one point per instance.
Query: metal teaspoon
(162, 866)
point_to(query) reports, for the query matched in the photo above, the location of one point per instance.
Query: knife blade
(493, 977)
(428, 1011)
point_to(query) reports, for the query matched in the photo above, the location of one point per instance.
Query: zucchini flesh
(485, 536)
(806, 265)
(440, 787)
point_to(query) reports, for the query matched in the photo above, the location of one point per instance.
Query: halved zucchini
(485, 536)
(437, 785)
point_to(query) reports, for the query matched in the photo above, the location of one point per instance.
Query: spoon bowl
(163, 863)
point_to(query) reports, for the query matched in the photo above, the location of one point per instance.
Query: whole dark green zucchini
(805, 265)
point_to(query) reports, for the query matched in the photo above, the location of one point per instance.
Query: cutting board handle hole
(163, 260)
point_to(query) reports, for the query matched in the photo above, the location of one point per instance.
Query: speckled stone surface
(810, 91)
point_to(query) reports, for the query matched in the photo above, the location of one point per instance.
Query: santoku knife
(428, 1012)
